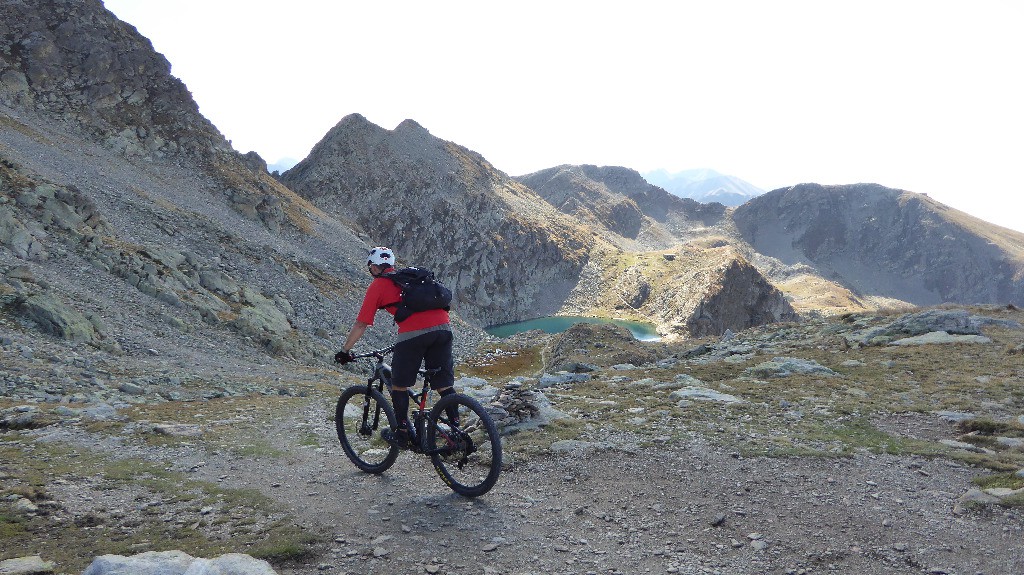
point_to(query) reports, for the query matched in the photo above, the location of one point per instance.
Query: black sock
(451, 410)
(400, 401)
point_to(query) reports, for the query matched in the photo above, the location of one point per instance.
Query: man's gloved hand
(344, 357)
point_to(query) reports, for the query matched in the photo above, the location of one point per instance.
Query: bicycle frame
(382, 375)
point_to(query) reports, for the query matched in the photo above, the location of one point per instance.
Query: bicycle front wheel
(361, 412)
(467, 456)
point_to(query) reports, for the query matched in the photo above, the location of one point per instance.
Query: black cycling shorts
(434, 349)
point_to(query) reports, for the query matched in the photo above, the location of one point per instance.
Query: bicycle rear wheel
(358, 419)
(467, 456)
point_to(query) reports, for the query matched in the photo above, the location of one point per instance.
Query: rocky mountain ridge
(111, 169)
(72, 61)
(885, 242)
(504, 253)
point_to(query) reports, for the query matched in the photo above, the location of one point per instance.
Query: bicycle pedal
(399, 440)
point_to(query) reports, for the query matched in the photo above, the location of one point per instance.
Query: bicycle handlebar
(379, 353)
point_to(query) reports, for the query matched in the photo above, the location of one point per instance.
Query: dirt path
(677, 509)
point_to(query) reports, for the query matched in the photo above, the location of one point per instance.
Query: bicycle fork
(366, 429)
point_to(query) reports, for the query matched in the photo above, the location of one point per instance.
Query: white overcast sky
(926, 96)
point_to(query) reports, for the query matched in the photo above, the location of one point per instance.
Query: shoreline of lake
(559, 323)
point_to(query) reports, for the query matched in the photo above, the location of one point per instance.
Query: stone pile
(518, 408)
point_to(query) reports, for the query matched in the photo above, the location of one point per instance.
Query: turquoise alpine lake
(560, 323)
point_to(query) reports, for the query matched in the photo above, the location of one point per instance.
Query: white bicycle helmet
(381, 256)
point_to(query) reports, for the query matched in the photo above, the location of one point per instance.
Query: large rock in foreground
(177, 563)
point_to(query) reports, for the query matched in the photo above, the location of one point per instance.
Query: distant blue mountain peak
(704, 185)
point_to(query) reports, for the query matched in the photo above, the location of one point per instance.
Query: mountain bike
(466, 453)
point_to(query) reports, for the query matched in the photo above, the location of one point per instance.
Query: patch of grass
(538, 441)
(999, 463)
(859, 433)
(128, 470)
(239, 498)
(228, 424)
(33, 493)
(257, 450)
(989, 427)
(496, 368)
(105, 427)
(1003, 480)
(837, 438)
(218, 412)
(1012, 501)
(1007, 480)
(12, 526)
(250, 519)
(291, 544)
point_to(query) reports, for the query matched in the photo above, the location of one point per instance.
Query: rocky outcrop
(31, 298)
(600, 345)
(954, 324)
(886, 242)
(692, 291)
(77, 63)
(738, 298)
(31, 212)
(504, 252)
(30, 565)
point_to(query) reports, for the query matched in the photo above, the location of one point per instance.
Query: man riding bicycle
(424, 337)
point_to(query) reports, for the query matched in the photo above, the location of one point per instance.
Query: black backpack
(420, 292)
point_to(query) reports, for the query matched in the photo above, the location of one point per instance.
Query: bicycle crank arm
(440, 451)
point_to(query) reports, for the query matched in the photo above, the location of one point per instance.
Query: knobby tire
(468, 462)
(359, 428)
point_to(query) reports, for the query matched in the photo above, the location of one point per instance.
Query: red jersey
(383, 291)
